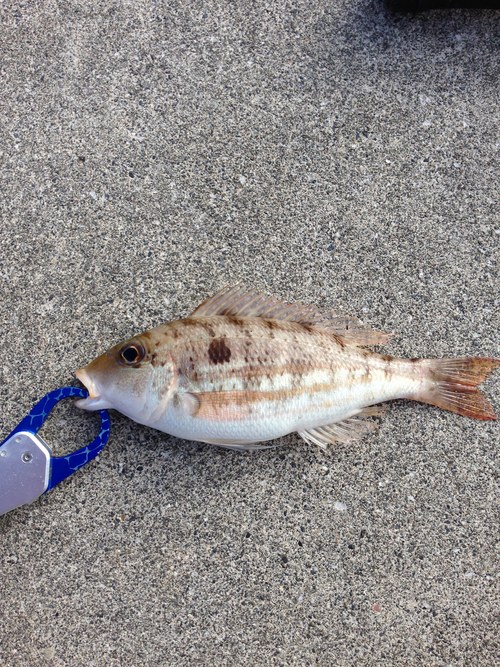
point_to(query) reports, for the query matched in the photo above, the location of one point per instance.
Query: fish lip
(82, 375)
(94, 401)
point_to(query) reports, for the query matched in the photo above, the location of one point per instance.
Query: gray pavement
(153, 152)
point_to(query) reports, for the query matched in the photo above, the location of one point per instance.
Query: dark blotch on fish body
(155, 361)
(218, 351)
(236, 321)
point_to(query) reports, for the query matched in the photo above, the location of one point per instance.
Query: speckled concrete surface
(152, 152)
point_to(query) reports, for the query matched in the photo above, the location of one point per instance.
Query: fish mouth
(82, 375)
(94, 401)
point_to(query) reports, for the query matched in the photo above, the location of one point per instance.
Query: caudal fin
(453, 385)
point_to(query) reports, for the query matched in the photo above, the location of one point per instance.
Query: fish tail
(452, 385)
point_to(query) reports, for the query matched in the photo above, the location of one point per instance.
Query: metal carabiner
(27, 467)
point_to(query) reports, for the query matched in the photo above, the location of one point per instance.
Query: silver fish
(245, 368)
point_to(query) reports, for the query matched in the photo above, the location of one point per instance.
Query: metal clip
(27, 467)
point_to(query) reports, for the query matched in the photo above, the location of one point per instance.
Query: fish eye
(132, 354)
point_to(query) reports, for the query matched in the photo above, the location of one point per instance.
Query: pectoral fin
(217, 406)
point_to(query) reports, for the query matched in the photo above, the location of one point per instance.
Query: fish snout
(82, 375)
(94, 401)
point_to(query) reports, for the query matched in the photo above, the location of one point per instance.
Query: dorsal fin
(240, 301)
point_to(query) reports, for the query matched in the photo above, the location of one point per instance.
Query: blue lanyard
(27, 467)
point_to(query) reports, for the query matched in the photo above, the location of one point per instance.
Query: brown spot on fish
(388, 370)
(339, 340)
(236, 321)
(209, 329)
(218, 351)
(157, 362)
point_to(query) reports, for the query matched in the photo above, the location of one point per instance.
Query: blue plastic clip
(27, 467)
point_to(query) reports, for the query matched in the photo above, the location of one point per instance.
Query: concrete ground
(153, 152)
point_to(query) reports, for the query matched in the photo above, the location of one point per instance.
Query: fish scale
(285, 362)
(245, 368)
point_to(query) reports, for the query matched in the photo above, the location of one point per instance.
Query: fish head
(130, 377)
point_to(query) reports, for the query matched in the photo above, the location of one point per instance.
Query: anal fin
(348, 430)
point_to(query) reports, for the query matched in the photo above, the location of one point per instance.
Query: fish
(244, 369)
